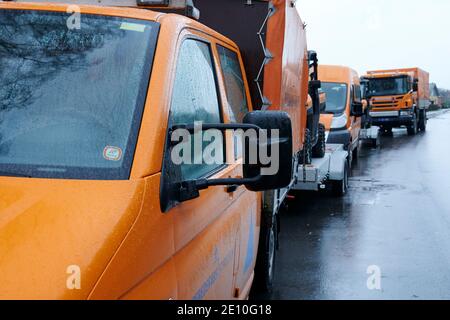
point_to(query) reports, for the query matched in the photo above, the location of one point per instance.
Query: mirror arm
(189, 190)
(205, 183)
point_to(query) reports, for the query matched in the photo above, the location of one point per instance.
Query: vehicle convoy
(341, 116)
(95, 204)
(398, 98)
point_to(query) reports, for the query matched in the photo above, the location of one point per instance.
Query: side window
(234, 83)
(195, 99)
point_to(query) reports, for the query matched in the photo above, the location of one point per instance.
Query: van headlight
(339, 122)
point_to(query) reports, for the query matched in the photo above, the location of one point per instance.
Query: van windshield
(388, 86)
(336, 95)
(72, 93)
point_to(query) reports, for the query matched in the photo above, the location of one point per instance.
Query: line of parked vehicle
(136, 224)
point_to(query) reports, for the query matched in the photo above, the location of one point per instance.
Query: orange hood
(48, 225)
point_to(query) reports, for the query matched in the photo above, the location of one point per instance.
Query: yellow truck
(398, 98)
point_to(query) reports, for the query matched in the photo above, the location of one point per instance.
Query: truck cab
(398, 98)
(344, 107)
(95, 204)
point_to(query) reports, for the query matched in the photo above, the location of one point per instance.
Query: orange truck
(398, 98)
(95, 204)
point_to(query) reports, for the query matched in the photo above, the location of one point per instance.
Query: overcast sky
(379, 34)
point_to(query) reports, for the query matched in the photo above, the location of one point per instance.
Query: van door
(237, 104)
(207, 229)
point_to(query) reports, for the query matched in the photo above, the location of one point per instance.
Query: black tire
(413, 128)
(423, 120)
(319, 149)
(340, 188)
(267, 249)
(305, 156)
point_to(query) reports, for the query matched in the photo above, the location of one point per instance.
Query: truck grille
(386, 103)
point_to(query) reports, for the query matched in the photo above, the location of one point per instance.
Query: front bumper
(391, 118)
(339, 136)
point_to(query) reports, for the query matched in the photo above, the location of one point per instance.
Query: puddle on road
(367, 192)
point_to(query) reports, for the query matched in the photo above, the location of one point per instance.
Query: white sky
(381, 34)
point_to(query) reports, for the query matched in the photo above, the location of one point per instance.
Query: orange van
(93, 205)
(344, 107)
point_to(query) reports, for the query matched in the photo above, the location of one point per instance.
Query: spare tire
(319, 149)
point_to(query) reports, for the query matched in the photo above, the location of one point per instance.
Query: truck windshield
(72, 93)
(336, 94)
(388, 86)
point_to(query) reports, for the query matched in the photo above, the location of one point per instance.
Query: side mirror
(267, 158)
(357, 109)
(276, 173)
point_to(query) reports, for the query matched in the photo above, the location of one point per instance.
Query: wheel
(319, 149)
(413, 128)
(268, 244)
(340, 187)
(423, 120)
(306, 154)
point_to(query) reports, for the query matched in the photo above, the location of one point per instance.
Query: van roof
(336, 73)
(183, 7)
(87, 9)
(118, 11)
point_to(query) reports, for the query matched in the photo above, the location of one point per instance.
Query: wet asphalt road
(396, 217)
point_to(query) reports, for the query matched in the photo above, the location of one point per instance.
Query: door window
(195, 99)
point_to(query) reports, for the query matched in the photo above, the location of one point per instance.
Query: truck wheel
(320, 148)
(413, 128)
(268, 244)
(340, 187)
(423, 120)
(305, 156)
